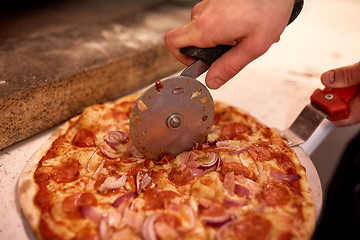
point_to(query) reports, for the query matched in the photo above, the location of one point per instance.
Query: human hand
(251, 26)
(345, 77)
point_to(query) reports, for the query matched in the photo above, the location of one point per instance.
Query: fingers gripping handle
(334, 101)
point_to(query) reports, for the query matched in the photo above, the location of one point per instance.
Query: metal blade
(195, 69)
(171, 117)
(304, 125)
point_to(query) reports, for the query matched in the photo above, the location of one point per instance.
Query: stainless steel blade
(195, 69)
(171, 117)
(304, 125)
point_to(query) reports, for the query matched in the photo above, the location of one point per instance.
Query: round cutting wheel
(171, 117)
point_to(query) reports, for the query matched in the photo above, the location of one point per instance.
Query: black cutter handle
(208, 55)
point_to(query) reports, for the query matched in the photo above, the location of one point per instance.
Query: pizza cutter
(177, 112)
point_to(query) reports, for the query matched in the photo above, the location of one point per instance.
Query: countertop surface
(273, 88)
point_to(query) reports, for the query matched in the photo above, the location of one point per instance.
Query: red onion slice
(123, 198)
(91, 213)
(114, 138)
(192, 220)
(220, 231)
(239, 151)
(216, 221)
(147, 229)
(145, 181)
(284, 177)
(89, 161)
(234, 203)
(109, 152)
(142, 181)
(103, 227)
(213, 160)
(97, 172)
(242, 191)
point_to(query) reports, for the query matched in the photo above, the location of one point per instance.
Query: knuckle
(228, 71)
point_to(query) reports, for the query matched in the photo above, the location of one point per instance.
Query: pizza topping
(91, 213)
(240, 151)
(252, 227)
(234, 203)
(238, 169)
(181, 178)
(123, 198)
(276, 195)
(195, 172)
(89, 161)
(84, 138)
(109, 151)
(111, 183)
(103, 227)
(214, 159)
(133, 218)
(229, 182)
(284, 177)
(142, 181)
(114, 138)
(67, 172)
(72, 203)
(147, 229)
(242, 191)
(216, 221)
(221, 229)
(261, 153)
(234, 131)
(158, 199)
(97, 172)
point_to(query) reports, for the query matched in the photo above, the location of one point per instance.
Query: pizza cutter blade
(175, 113)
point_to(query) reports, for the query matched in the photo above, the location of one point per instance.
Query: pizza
(88, 181)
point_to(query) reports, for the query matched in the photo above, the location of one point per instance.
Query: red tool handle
(334, 101)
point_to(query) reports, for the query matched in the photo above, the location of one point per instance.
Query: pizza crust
(27, 187)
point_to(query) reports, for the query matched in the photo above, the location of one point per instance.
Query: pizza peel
(331, 104)
(177, 112)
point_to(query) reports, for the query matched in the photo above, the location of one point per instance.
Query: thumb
(342, 77)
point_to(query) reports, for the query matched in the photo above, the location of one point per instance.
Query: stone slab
(57, 59)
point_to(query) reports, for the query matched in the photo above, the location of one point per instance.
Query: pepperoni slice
(67, 172)
(180, 178)
(276, 195)
(84, 138)
(158, 199)
(234, 131)
(253, 227)
(238, 169)
(72, 203)
(261, 153)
